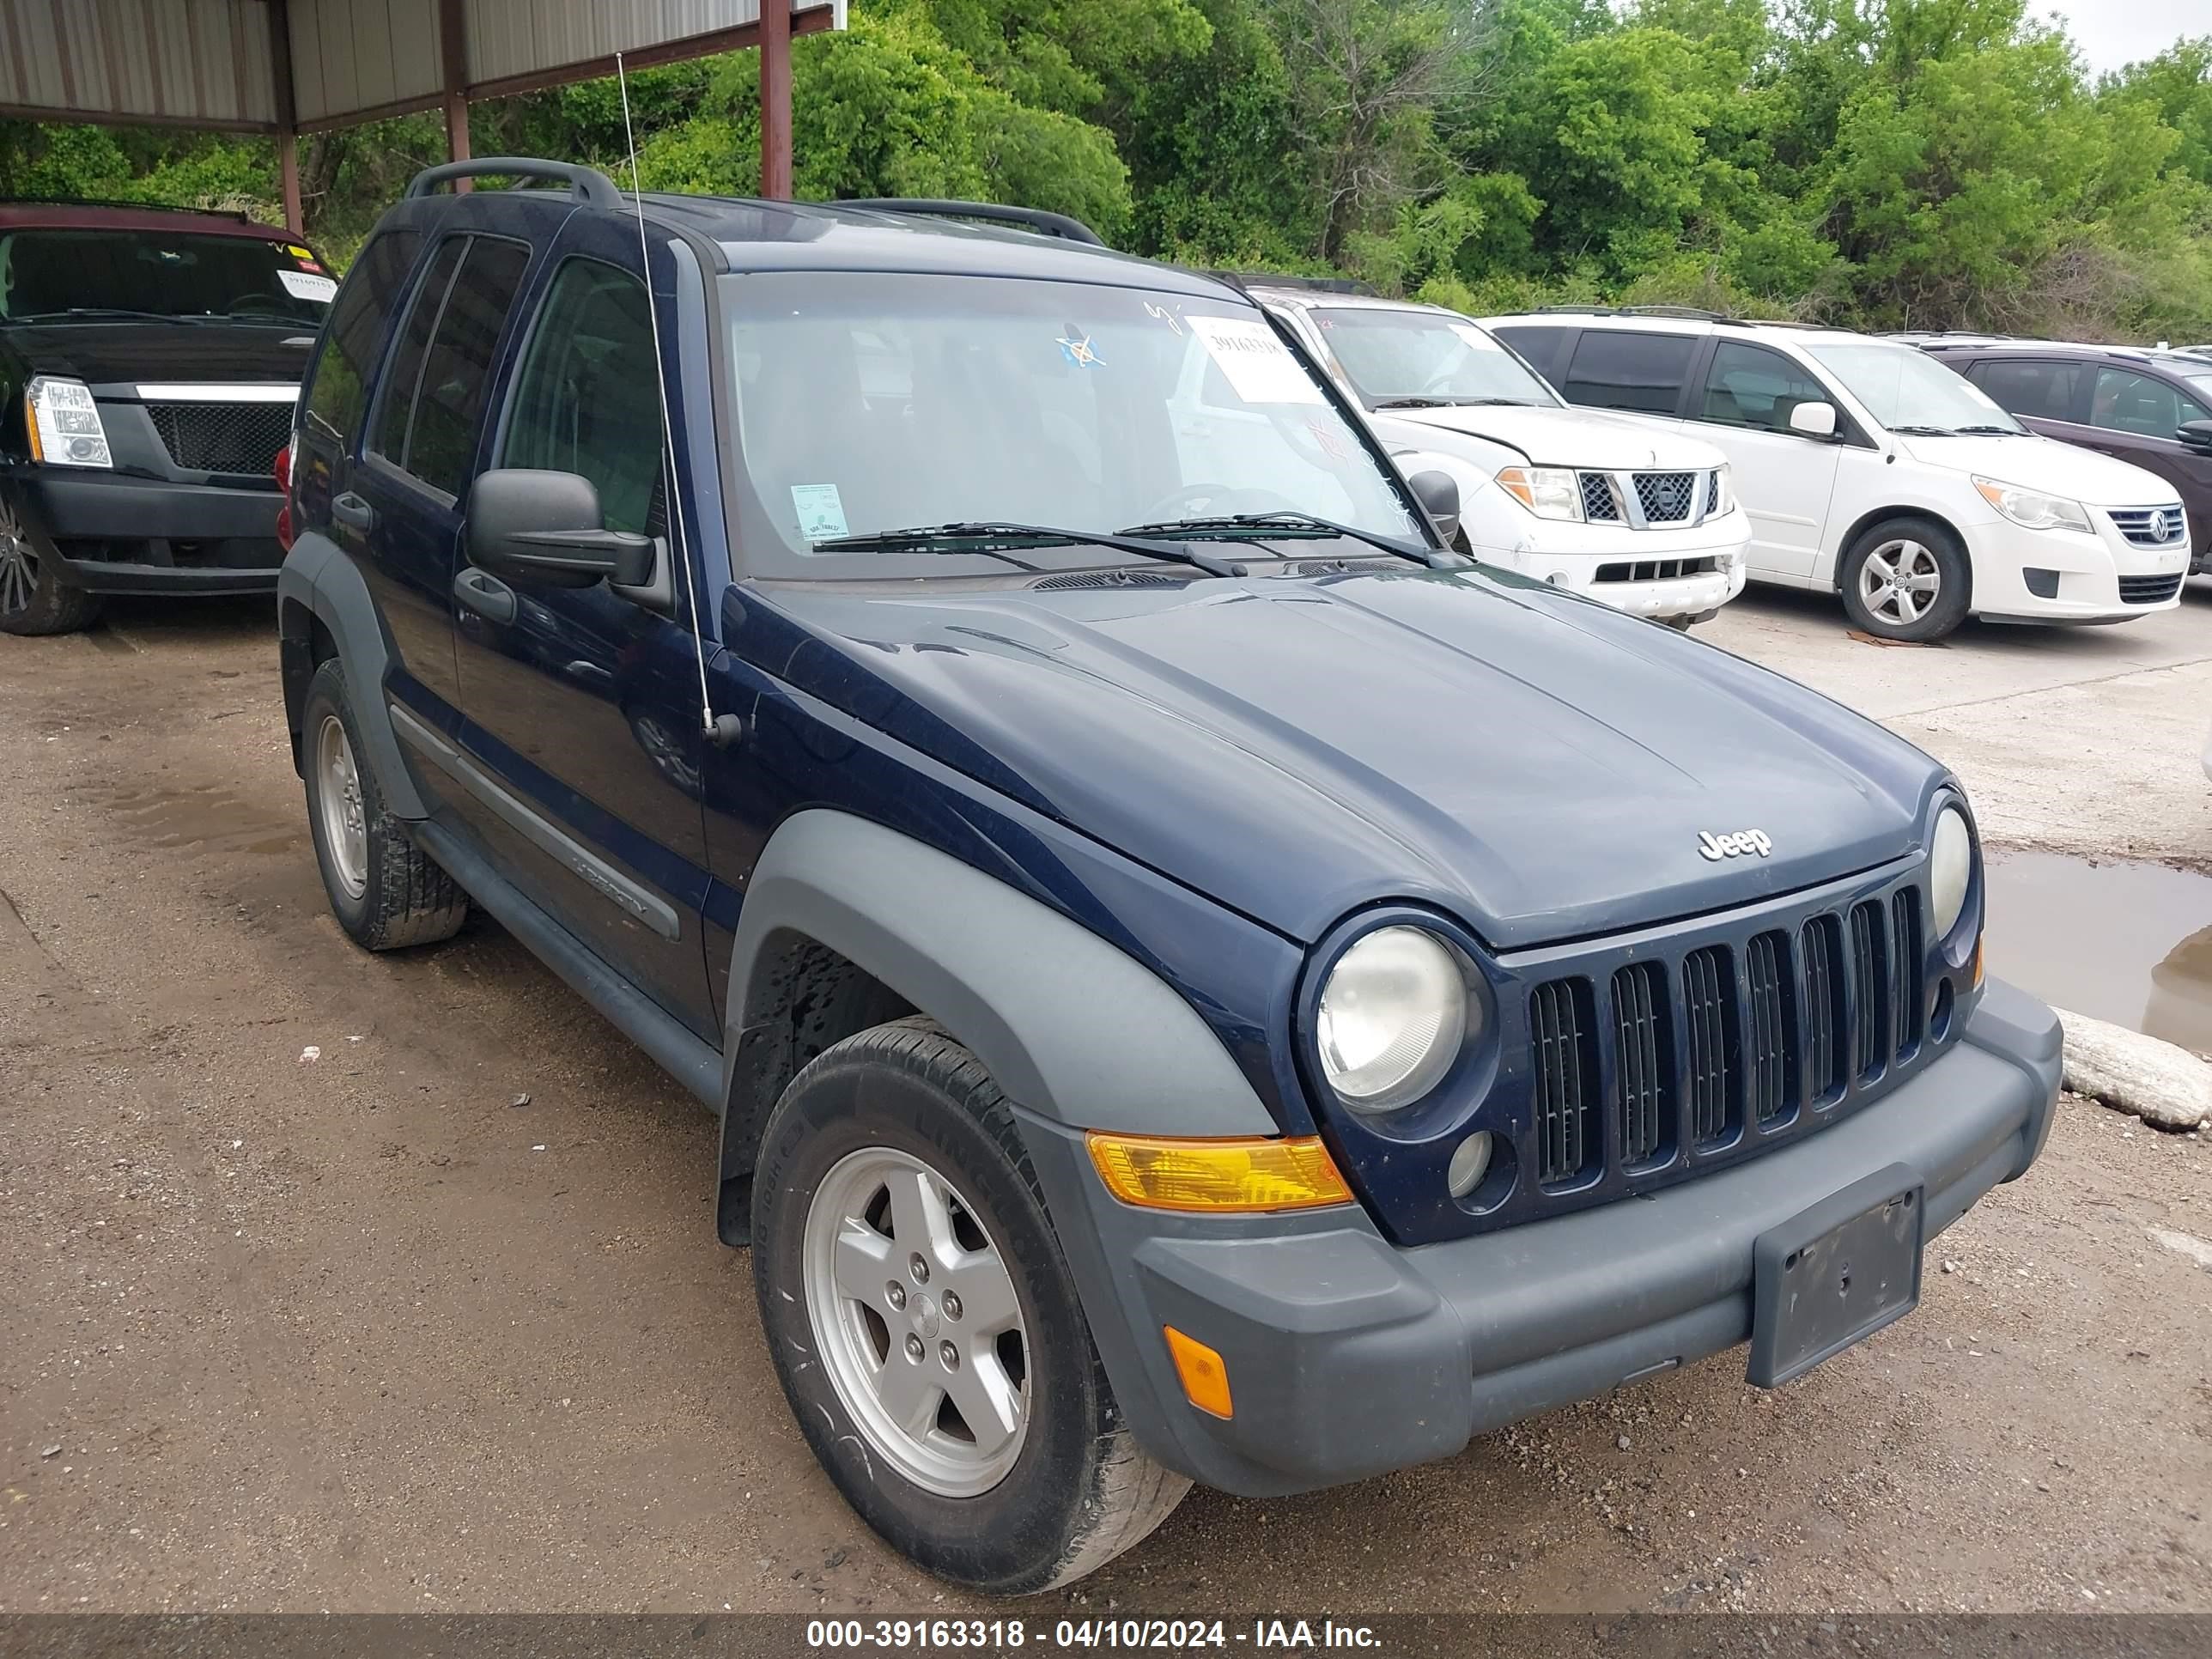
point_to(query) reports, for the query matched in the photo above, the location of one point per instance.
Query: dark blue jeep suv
(1199, 983)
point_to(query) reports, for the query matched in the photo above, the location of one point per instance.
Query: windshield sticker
(821, 512)
(1474, 339)
(1330, 439)
(1174, 322)
(305, 285)
(1258, 366)
(1077, 350)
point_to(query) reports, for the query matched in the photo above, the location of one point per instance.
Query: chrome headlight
(2032, 509)
(65, 423)
(1394, 1013)
(1549, 492)
(1950, 868)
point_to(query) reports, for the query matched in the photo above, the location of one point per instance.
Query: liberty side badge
(1079, 350)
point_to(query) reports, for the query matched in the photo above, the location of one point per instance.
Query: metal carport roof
(291, 66)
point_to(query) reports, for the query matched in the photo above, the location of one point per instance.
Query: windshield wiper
(952, 538)
(100, 310)
(1927, 431)
(1995, 431)
(1425, 402)
(1261, 525)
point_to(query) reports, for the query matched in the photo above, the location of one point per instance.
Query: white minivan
(1870, 470)
(1644, 521)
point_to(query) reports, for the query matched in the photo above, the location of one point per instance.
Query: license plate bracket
(1835, 1275)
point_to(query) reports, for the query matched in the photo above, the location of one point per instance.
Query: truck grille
(1599, 504)
(2149, 590)
(1666, 497)
(1654, 570)
(241, 438)
(1700, 1055)
(1560, 1028)
(2149, 527)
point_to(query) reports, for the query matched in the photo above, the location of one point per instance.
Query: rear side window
(2043, 389)
(1749, 385)
(2127, 402)
(356, 331)
(1619, 370)
(1538, 344)
(586, 400)
(433, 407)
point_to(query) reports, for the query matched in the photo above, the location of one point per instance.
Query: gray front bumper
(1347, 1357)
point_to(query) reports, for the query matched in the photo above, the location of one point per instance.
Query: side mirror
(545, 527)
(1438, 495)
(1813, 420)
(2197, 435)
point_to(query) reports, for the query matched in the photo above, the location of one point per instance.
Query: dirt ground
(354, 1332)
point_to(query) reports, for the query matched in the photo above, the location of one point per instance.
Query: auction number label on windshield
(1259, 367)
(306, 285)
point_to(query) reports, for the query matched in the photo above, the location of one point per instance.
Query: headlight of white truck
(1394, 1013)
(65, 423)
(1549, 492)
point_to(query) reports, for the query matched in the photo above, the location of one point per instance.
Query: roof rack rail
(1037, 219)
(238, 214)
(587, 185)
(1314, 284)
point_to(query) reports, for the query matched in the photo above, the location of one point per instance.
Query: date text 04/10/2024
(1166, 1634)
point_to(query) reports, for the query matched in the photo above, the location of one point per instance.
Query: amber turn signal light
(1204, 1373)
(1221, 1177)
(1978, 964)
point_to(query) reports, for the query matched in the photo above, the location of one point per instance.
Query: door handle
(352, 512)
(486, 595)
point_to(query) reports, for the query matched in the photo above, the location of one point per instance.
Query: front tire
(925, 1326)
(33, 597)
(386, 892)
(1907, 579)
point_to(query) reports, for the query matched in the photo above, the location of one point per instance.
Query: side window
(2125, 401)
(395, 405)
(429, 429)
(2043, 389)
(1538, 344)
(335, 401)
(1612, 369)
(585, 400)
(1750, 385)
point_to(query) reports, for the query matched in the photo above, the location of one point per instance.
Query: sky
(2112, 33)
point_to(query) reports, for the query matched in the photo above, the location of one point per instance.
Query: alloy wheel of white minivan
(1905, 580)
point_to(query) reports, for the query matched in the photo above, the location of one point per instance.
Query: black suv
(1198, 981)
(149, 359)
(2152, 408)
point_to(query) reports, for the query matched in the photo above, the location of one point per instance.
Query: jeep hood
(1538, 765)
(1555, 437)
(114, 357)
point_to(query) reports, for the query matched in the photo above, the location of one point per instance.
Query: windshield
(1907, 391)
(872, 402)
(61, 274)
(1394, 356)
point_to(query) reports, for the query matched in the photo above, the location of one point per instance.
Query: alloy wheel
(337, 797)
(1900, 581)
(917, 1322)
(19, 564)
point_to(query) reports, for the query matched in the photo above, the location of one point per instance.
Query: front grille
(1870, 989)
(1654, 570)
(1599, 504)
(2149, 590)
(1666, 497)
(242, 438)
(1560, 1031)
(1713, 494)
(1709, 1014)
(1822, 943)
(2150, 527)
(1904, 1005)
(1644, 1067)
(1770, 1036)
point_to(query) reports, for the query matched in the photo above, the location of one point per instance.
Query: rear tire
(893, 1148)
(1906, 579)
(33, 597)
(386, 892)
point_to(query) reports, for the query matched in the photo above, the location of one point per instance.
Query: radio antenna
(681, 555)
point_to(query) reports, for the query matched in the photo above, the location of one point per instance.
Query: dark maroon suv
(2152, 408)
(149, 363)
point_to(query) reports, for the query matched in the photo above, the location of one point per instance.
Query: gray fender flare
(1071, 1027)
(319, 578)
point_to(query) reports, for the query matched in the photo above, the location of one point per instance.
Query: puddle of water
(2128, 943)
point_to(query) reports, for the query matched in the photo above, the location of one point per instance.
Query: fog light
(1470, 1162)
(1557, 579)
